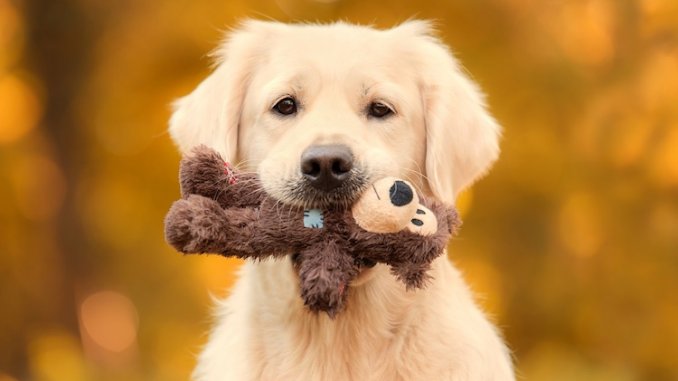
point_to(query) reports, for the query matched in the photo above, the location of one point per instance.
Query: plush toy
(228, 213)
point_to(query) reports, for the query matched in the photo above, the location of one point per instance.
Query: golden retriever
(362, 103)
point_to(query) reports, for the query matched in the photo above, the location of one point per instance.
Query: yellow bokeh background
(571, 242)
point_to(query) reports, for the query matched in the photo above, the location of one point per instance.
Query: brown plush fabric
(233, 217)
(205, 173)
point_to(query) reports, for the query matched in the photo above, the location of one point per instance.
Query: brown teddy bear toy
(228, 213)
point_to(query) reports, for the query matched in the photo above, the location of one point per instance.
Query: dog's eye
(379, 110)
(286, 106)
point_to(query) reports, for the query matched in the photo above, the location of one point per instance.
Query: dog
(319, 112)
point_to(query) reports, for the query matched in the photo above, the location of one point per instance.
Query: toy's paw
(412, 275)
(178, 232)
(190, 224)
(204, 172)
(423, 222)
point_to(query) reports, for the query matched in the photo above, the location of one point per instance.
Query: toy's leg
(325, 274)
(199, 225)
(205, 173)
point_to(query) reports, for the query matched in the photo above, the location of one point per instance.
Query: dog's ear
(462, 139)
(210, 115)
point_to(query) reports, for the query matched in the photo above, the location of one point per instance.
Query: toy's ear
(461, 136)
(210, 115)
(386, 206)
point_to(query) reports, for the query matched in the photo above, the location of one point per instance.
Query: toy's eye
(417, 222)
(286, 106)
(379, 110)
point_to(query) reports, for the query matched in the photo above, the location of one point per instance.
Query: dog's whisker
(416, 183)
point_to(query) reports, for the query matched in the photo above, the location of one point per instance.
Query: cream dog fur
(436, 133)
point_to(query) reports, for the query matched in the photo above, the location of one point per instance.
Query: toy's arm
(408, 253)
(200, 225)
(205, 173)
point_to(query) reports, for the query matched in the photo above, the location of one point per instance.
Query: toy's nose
(326, 167)
(400, 193)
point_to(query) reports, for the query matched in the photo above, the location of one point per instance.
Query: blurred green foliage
(571, 242)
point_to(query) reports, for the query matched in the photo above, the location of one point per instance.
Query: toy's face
(390, 205)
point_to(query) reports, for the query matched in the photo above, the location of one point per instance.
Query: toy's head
(390, 205)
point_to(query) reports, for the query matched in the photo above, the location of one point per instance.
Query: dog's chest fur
(386, 333)
(360, 344)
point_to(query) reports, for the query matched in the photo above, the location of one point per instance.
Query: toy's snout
(400, 193)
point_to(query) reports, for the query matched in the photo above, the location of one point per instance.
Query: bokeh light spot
(589, 40)
(11, 34)
(21, 108)
(110, 320)
(56, 356)
(658, 85)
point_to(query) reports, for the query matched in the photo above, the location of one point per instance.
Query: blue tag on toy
(313, 218)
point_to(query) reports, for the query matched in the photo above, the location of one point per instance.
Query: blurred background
(571, 242)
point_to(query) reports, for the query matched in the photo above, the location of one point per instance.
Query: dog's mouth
(300, 192)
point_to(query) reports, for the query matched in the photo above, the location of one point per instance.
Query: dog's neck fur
(385, 333)
(380, 318)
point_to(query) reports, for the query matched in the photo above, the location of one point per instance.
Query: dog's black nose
(326, 167)
(400, 193)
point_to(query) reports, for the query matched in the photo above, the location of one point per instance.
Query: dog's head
(320, 111)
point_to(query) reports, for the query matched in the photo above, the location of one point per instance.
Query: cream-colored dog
(319, 111)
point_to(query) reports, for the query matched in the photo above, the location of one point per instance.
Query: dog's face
(321, 111)
(323, 119)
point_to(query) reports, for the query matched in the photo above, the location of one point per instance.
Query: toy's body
(228, 213)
